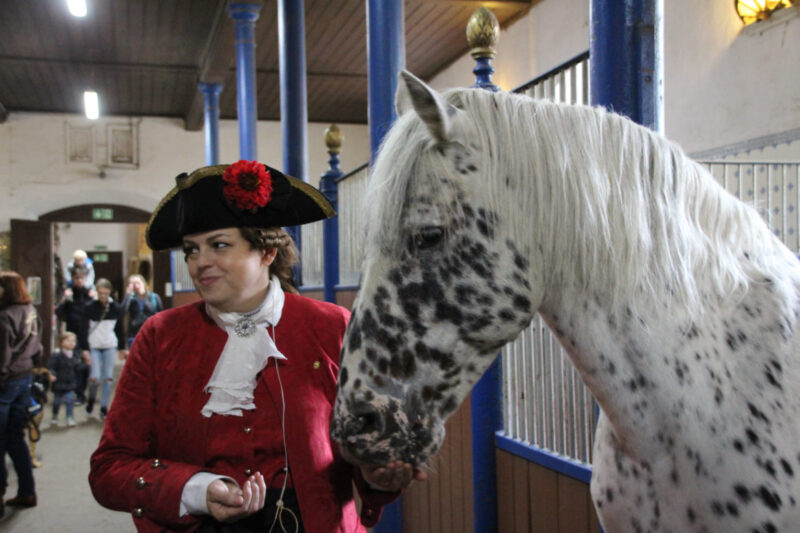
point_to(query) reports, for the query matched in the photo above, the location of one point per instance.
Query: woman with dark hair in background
(20, 352)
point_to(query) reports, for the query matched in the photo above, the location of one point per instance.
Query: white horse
(673, 299)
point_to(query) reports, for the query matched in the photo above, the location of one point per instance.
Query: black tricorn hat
(244, 194)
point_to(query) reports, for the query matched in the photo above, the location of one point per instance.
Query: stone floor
(65, 504)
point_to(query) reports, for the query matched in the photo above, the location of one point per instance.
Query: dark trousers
(82, 378)
(14, 401)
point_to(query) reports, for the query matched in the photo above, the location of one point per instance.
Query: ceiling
(146, 57)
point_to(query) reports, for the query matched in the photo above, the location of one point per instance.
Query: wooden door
(32, 258)
(109, 265)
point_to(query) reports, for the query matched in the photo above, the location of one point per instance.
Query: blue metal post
(245, 16)
(487, 395)
(211, 99)
(330, 229)
(294, 106)
(627, 67)
(385, 59)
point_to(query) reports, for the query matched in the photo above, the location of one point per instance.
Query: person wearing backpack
(139, 305)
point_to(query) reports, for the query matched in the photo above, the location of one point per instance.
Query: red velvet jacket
(155, 438)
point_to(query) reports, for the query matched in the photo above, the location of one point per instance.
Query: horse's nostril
(368, 422)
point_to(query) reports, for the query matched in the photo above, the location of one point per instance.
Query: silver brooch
(244, 327)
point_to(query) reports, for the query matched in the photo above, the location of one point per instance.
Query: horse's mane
(611, 203)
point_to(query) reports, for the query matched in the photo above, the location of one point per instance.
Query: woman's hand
(122, 355)
(228, 503)
(393, 477)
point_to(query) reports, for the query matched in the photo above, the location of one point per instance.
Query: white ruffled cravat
(243, 357)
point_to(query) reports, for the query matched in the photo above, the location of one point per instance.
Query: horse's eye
(428, 236)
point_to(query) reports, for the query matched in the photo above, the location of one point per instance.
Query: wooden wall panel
(444, 503)
(544, 498)
(535, 499)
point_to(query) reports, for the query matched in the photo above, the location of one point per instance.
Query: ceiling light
(77, 7)
(751, 11)
(90, 104)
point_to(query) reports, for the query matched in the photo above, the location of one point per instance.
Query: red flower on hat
(248, 185)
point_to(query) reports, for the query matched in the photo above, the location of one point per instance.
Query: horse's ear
(435, 112)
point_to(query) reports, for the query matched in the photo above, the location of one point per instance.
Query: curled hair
(14, 289)
(286, 257)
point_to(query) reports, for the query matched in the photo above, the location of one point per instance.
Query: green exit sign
(102, 213)
(100, 258)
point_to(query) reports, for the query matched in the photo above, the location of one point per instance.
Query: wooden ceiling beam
(218, 56)
(11, 61)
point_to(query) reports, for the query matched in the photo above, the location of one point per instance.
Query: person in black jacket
(63, 366)
(20, 351)
(72, 310)
(106, 342)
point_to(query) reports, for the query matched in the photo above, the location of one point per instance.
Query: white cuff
(193, 497)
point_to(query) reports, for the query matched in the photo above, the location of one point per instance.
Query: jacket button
(156, 463)
(141, 483)
(247, 430)
(316, 365)
(138, 512)
(248, 472)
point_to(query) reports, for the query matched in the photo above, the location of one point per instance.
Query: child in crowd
(63, 375)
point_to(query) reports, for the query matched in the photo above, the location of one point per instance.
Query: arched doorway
(32, 252)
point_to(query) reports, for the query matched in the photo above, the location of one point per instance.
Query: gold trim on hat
(314, 194)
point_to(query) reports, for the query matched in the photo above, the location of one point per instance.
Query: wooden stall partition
(444, 502)
(535, 499)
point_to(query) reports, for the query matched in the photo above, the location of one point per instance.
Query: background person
(81, 260)
(72, 311)
(224, 404)
(106, 342)
(20, 352)
(139, 305)
(63, 366)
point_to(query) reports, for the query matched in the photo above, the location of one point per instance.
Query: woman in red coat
(221, 416)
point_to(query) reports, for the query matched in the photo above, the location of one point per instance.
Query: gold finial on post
(483, 30)
(333, 139)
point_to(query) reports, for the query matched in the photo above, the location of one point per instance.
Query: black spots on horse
(742, 492)
(446, 312)
(357, 384)
(353, 335)
(681, 370)
(403, 366)
(691, 515)
(769, 527)
(609, 495)
(757, 413)
(506, 314)
(769, 498)
(521, 303)
(734, 340)
(771, 379)
(465, 294)
(718, 396)
(787, 468)
(752, 436)
(448, 406)
(343, 377)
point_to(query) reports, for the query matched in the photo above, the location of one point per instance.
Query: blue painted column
(245, 16)
(385, 59)
(486, 399)
(330, 226)
(294, 106)
(211, 113)
(627, 59)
